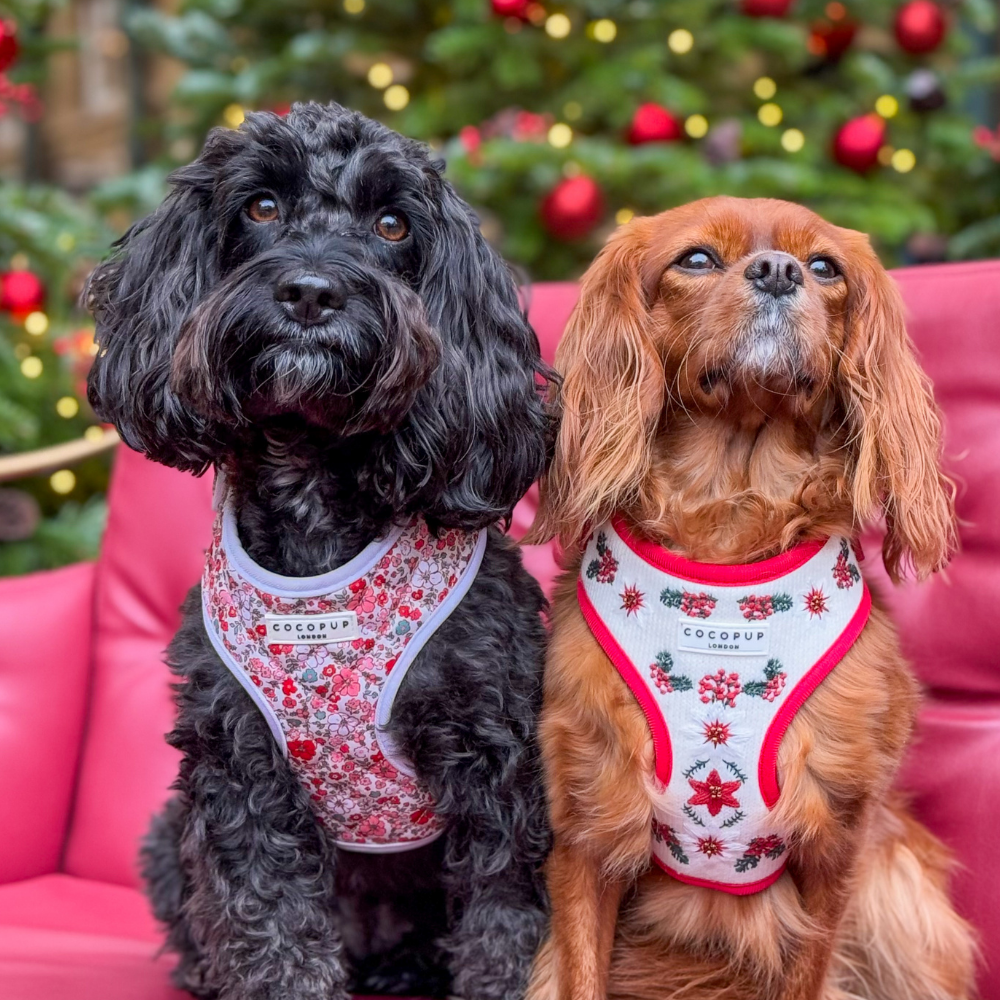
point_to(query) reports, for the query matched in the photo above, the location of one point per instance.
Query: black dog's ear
(140, 298)
(479, 432)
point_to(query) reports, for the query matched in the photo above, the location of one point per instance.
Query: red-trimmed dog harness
(720, 658)
(323, 657)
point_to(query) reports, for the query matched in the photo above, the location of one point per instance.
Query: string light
(94, 433)
(696, 126)
(887, 106)
(680, 40)
(36, 323)
(770, 115)
(557, 26)
(67, 407)
(903, 161)
(885, 155)
(792, 140)
(765, 88)
(62, 481)
(396, 97)
(573, 110)
(65, 242)
(354, 6)
(603, 30)
(560, 135)
(624, 215)
(380, 75)
(31, 367)
(233, 115)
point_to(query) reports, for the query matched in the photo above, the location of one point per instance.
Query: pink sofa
(84, 696)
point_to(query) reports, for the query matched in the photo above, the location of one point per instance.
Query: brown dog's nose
(310, 299)
(774, 272)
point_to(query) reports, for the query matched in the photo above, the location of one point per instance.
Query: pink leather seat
(85, 700)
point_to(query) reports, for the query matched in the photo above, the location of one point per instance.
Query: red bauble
(510, 8)
(830, 40)
(572, 208)
(766, 8)
(653, 123)
(9, 46)
(920, 26)
(857, 143)
(21, 292)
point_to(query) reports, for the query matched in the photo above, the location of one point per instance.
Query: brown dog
(739, 386)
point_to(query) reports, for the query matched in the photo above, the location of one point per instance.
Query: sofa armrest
(46, 625)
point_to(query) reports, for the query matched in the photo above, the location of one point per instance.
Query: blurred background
(557, 121)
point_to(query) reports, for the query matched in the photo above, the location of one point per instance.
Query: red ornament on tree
(653, 123)
(858, 141)
(9, 46)
(766, 8)
(920, 26)
(510, 8)
(21, 292)
(572, 208)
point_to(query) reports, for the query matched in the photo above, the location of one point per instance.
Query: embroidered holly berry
(699, 605)
(772, 686)
(603, 568)
(757, 607)
(665, 681)
(632, 600)
(720, 686)
(714, 793)
(816, 602)
(664, 834)
(845, 573)
(711, 846)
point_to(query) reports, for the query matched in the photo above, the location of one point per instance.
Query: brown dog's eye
(263, 209)
(392, 226)
(697, 260)
(823, 267)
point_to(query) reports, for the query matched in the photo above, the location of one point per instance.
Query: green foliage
(462, 65)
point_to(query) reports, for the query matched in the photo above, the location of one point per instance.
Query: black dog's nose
(310, 299)
(776, 273)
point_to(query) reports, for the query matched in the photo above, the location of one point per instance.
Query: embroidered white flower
(714, 728)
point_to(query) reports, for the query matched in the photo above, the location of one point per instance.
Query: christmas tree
(559, 119)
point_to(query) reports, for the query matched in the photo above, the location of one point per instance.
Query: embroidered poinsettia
(720, 686)
(845, 573)
(711, 846)
(816, 603)
(603, 568)
(772, 685)
(714, 728)
(632, 599)
(771, 847)
(714, 793)
(757, 607)
(664, 834)
(699, 605)
(665, 681)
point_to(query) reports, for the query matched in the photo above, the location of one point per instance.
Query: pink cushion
(159, 526)
(45, 621)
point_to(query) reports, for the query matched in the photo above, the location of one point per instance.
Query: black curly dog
(313, 310)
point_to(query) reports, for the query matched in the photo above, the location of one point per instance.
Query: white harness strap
(323, 658)
(720, 658)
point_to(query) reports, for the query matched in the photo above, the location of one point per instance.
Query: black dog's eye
(392, 226)
(697, 260)
(823, 267)
(263, 209)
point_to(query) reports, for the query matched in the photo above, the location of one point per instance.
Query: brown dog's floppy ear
(895, 427)
(611, 397)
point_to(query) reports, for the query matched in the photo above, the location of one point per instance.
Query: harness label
(338, 626)
(732, 640)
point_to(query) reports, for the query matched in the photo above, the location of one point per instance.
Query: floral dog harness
(720, 658)
(323, 657)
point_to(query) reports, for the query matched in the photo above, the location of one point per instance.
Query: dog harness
(323, 657)
(720, 658)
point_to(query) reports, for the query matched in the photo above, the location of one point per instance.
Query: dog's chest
(720, 658)
(323, 658)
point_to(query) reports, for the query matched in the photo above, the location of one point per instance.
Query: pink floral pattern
(324, 697)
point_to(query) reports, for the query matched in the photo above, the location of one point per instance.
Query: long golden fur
(729, 426)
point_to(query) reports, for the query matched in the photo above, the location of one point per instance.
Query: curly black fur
(421, 393)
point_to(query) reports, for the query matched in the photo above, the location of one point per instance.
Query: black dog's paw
(406, 970)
